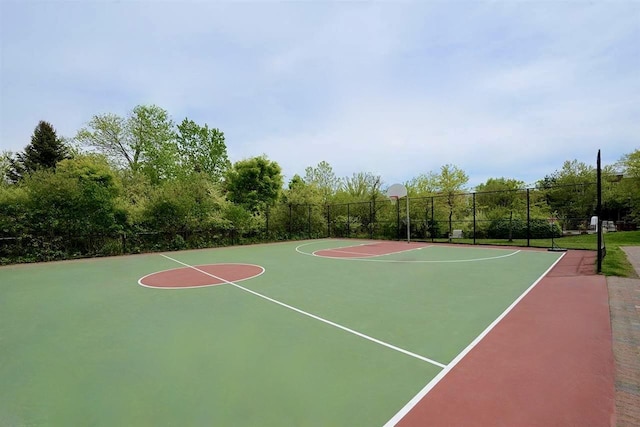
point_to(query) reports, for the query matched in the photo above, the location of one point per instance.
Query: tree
(363, 186)
(152, 130)
(626, 191)
(80, 197)
(323, 177)
(5, 166)
(499, 197)
(108, 133)
(450, 182)
(202, 149)
(254, 183)
(44, 152)
(571, 192)
(144, 141)
(185, 204)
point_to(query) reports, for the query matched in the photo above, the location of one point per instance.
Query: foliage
(574, 182)
(81, 197)
(186, 204)
(517, 229)
(362, 186)
(254, 183)
(5, 166)
(626, 190)
(323, 177)
(202, 149)
(451, 183)
(144, 141)
(44, 152)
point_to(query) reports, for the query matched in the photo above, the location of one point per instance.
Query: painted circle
(200, 276)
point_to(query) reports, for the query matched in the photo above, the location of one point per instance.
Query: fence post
(474, 218)
(433, 221)
(290, 222)
(348, 221)
(309, 206)
(328, 220)
(371, 219)
(528, 220)
(267, 223)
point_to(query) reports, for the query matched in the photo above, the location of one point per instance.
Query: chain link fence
(529, 217)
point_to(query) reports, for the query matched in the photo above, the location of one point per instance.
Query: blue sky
(396, 88)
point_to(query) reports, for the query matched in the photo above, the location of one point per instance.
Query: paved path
(624, 301)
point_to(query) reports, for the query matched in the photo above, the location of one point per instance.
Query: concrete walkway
(624, 302)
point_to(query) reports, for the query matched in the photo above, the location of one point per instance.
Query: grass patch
(615, 263)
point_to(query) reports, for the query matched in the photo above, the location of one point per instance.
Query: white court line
(413, 402)
(417, 261)
(313, 316)
(344, 252)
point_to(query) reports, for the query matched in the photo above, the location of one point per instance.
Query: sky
(395, 88)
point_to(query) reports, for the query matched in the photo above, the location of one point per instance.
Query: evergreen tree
(44, 152)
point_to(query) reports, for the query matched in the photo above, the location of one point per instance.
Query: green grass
(615, 262)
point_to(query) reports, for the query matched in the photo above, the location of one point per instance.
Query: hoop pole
(599, 212)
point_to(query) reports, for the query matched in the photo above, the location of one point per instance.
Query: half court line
(313, 316)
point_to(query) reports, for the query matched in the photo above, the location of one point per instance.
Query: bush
(539, 229)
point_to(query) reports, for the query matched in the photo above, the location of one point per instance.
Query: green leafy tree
(144, 141)
(323, 177)
(80, 197)
(626, 186)
(450, 183)
(5, 166)
(152, 129)
(185, 204)
(571, 192)
(363, 186)
(202, 149)
(44, 152)
(500, 197)
(254, 183)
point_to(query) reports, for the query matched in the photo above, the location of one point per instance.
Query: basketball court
(321, 332)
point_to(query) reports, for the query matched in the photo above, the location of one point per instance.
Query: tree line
(142, 172)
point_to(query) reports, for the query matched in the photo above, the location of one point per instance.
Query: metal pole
(528, 219)
(433, 221)
(474, 218)
(398, 218)
(371, 219)
(599, 212)
(408, 227)
(348, 221)
(309, 221)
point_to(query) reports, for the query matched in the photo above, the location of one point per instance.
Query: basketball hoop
(394, 193)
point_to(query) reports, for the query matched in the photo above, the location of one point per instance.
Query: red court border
(200, 276)
(548, 363)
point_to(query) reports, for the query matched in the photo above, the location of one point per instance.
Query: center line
(313, 316)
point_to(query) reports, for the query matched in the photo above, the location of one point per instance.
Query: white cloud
(393, 88)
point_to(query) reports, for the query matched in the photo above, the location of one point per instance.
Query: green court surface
(82, 343)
